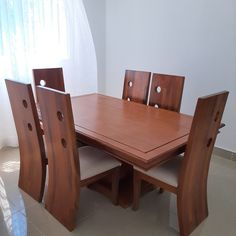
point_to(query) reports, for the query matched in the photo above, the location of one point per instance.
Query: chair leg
(115, 185)
(161, 190)
(34, 187)
(136, 190)
(191, 212)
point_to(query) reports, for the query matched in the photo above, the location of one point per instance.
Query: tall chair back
(187, 176)
(49, 77)
(136, 86)
(192, 189)
(32, 153)
(70, 168)
(166, 91)
(63, 159)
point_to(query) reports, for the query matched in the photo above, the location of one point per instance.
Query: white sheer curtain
(40, 34)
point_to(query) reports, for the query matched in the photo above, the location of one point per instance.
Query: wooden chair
(70, 168)
(32, 153)
(166, 91)
(136, 86)
(187, 176)
(49, 77)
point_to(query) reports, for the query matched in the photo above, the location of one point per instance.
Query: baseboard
(224, 153)
(10, 141)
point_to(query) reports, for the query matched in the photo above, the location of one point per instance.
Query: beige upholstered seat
(94, 161)
(168, 172)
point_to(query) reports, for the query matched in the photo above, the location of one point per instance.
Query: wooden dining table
(136, 134)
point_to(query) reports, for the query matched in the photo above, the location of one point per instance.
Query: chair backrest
(195, 166)
(166, 91)
(63, 159)
(32, 152)
(49, 77)
(136, 86)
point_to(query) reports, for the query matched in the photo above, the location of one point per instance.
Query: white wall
(97, 19)
(191, 38)
(196, 39)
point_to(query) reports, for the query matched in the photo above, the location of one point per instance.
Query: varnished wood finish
(136, 86)
(32, 153)
(192, 179)
(53, 78)
(63, 164)
(192, 190)
(137, 134)
(170, 94)
(64, 183)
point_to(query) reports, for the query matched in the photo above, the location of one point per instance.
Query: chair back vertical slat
(166, 91)
(32, 153)
(194, 172)
(63, 160)
(136, 86)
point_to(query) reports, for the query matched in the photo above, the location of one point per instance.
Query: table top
(136, 133)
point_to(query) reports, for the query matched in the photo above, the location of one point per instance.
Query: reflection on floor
(21, 215)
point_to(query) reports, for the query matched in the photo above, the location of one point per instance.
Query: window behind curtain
(40, 34)
(32, 32)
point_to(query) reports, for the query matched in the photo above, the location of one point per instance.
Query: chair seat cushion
(94, 161)
(167, 172)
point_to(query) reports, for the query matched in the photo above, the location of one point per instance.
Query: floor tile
(18, 225)
(21, 215)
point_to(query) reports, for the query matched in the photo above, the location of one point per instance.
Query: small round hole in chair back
(130, 83)
(158, 89)
(156, 106)
(42, 82)
(63, 142)
(217, 116)
(60, 116)
(30, 127)
(209, 142)
(128, 99)
(25, 104)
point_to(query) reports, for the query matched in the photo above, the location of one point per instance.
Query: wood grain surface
(136, 133)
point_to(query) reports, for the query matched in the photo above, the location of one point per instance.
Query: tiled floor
(20, 215)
